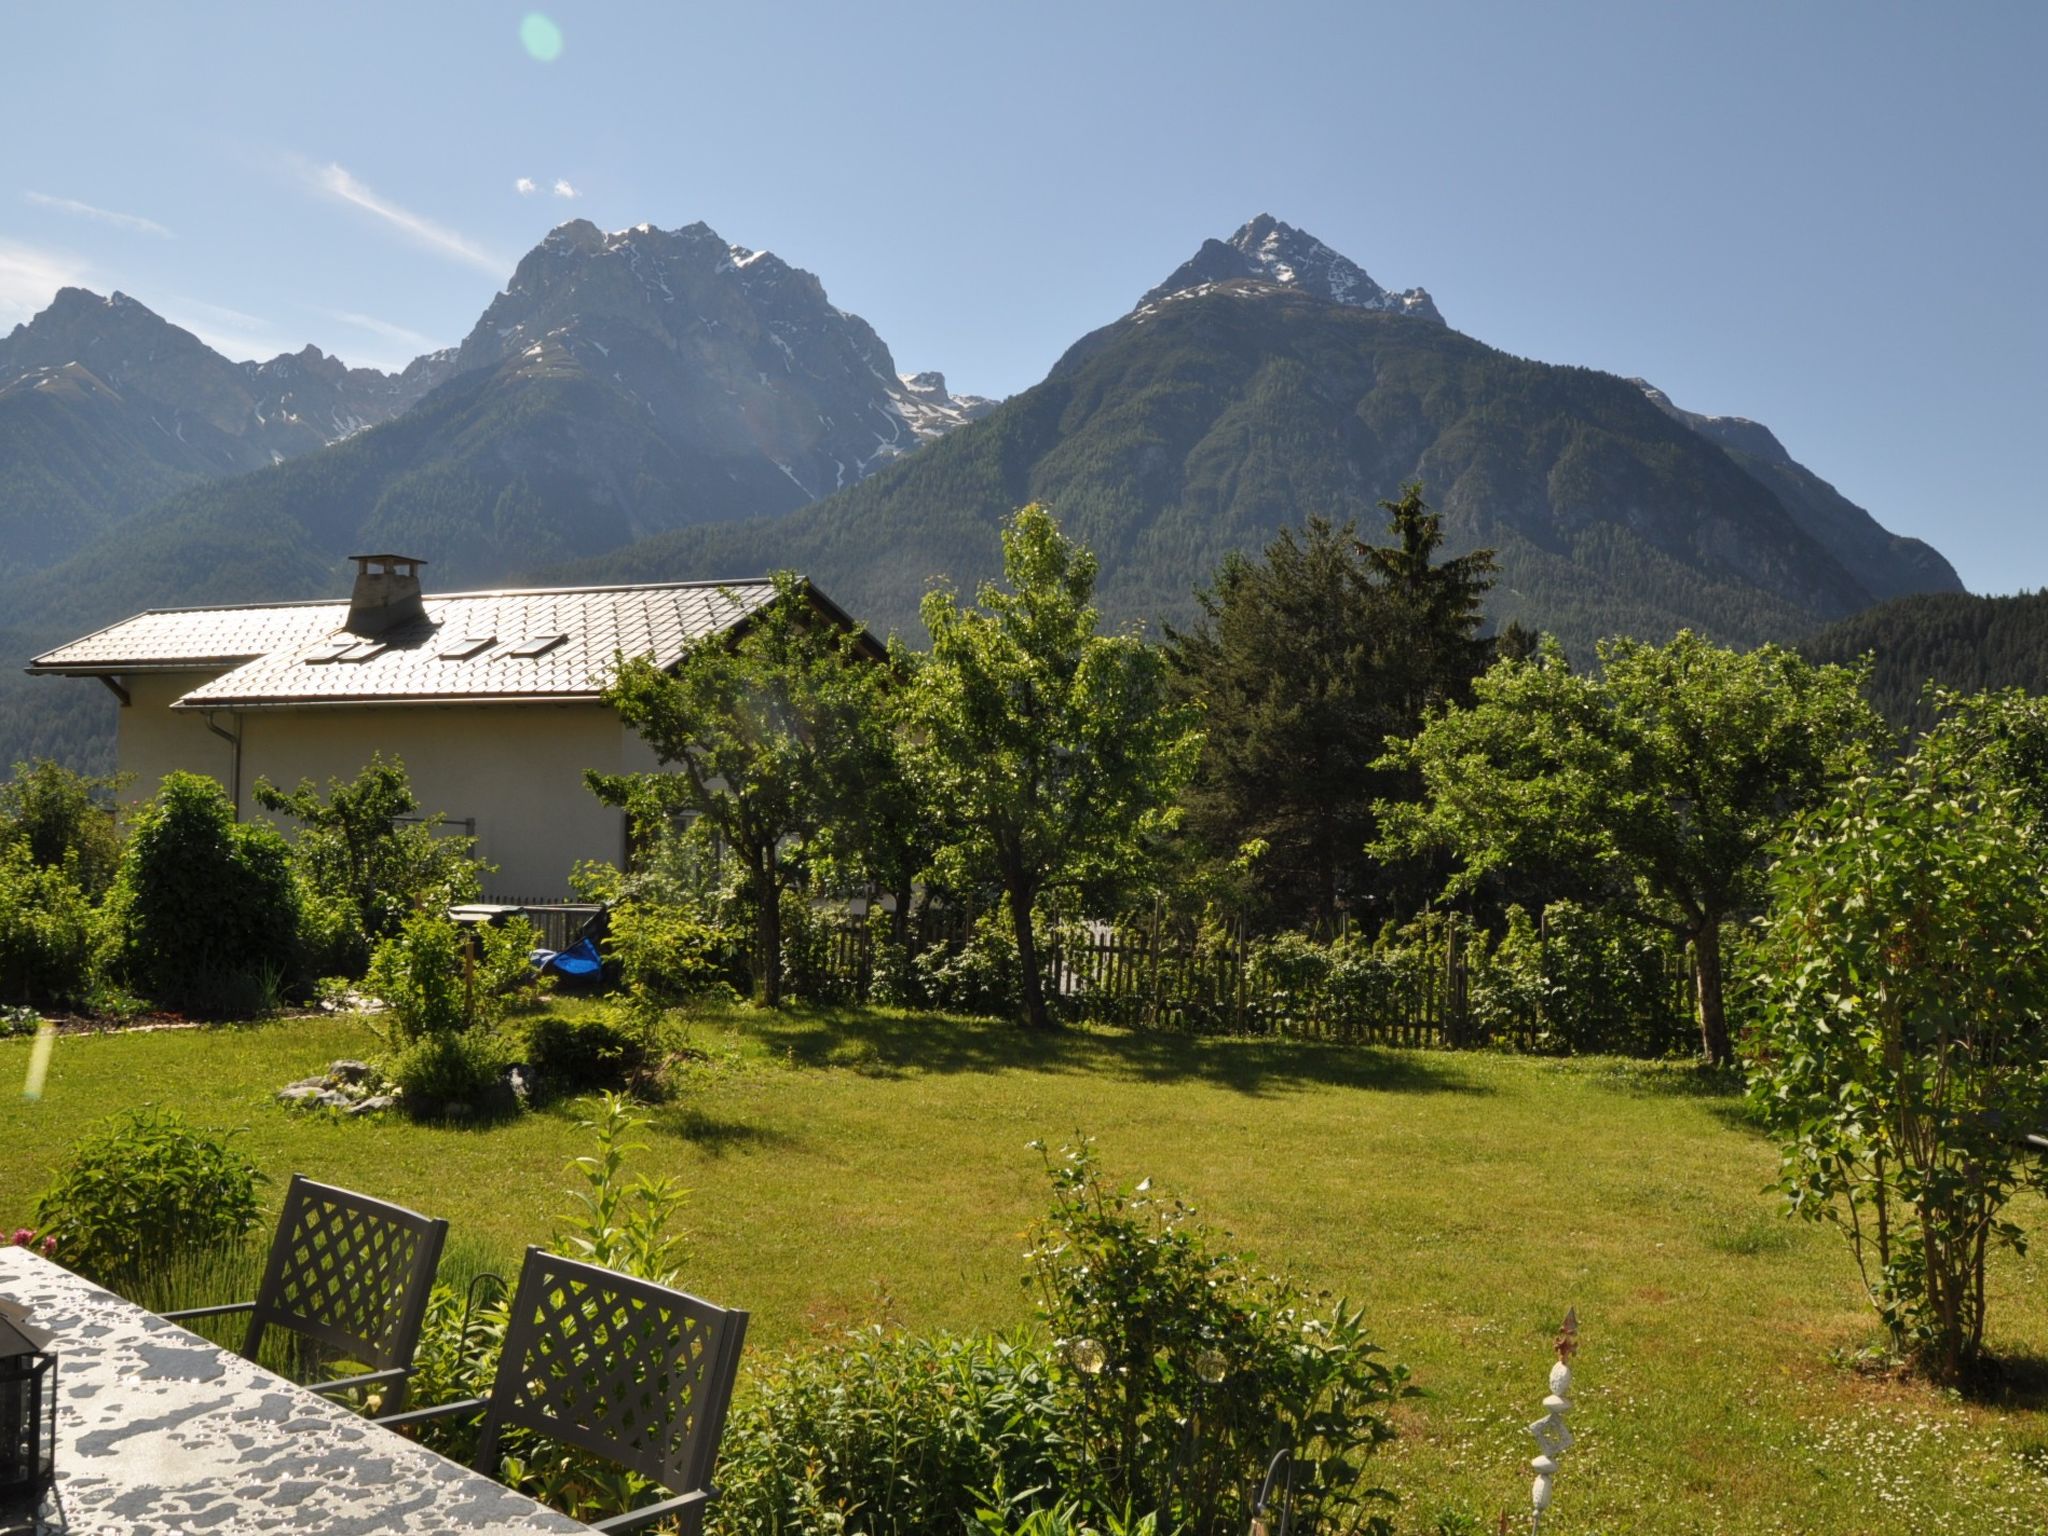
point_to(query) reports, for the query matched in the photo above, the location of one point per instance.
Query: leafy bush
(438, 979)
(205, 910)
(807, 938)
(888, 1436)
(18, 1021)
(981, 976)
(461, 1067)
(669, 953)
(446, 989)
(49, 932)
(1180, 1369)
(1898, 1057)
(576, 1053)
(361, 847)
(145, 1189)
(63, 818)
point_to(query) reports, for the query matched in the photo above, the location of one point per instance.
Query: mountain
(622, 385)
(106, 408)
(1887, 564)
(1268, 379)
(1953, 639)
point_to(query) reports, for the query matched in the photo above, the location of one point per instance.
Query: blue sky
(1830, 217)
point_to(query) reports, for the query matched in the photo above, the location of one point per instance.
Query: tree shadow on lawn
(892, 1044)
(717, 1135)
(2015, 1378)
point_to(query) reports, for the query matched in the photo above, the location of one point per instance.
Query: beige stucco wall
(516, 768)
(151, 740)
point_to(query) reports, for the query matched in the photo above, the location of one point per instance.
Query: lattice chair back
(350, 1273)
(622, 1368)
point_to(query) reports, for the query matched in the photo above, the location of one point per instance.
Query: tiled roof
(189, 637)
(468, 648)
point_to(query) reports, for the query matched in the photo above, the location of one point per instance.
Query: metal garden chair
(625, 1369)
(347, 1273)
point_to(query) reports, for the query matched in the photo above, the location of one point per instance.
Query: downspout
(234, 741)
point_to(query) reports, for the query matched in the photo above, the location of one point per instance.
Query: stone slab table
(159, 1433)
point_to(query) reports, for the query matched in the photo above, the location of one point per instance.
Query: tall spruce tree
(1307, 660)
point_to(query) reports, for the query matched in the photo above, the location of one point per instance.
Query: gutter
(234, 741)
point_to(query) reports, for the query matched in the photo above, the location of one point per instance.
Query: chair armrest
(438, 1411)
(220, 1311)
(634, 1519)
(366, 1379)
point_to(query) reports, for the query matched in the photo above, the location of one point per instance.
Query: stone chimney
(386, 595)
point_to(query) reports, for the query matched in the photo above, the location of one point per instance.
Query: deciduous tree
(1660, 780)
(1056, 751)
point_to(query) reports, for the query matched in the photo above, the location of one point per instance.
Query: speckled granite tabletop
(161, 1434)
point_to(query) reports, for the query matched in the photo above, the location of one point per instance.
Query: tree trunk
(1706, 975)
(1035, 1016)
(767, 932)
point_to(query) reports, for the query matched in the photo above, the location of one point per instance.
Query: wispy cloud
(525, 186)
(338, 183)
(403, 335)
(133, 221)
(30, 277)
(563, 189)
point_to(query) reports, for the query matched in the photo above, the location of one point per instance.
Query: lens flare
(541, 37)
(39, 1062)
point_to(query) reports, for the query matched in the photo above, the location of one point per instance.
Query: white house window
(466, 646)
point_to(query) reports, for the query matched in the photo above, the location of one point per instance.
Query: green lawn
(858, 1167)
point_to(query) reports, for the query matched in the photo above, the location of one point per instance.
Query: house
(490, 698)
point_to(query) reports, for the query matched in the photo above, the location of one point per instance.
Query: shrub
(575, 1053)
(462, 1067)
(1180, 1369)
(18, 1021)
(331, 941)
(669, 953)
(445, 989)
(1898, 1057)
(360, 846)
(204, 909)
(439, 979)
(49, 932)
(146, 1189)
(63, 818)
(892, 1436)
(980, 976)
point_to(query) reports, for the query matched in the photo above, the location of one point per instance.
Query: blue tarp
(579, 959)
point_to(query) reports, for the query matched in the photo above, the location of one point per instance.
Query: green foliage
(1181, 1369)
(63, 819)
(446, 991)
(886, 1435)
(1168, 445)
(669, 954)
(979, 976)
(1651, 790)
(751, 727)
(358, 847)
(1899, 1054)
(1589, 981)
(50, 934)
(583, 1052)
(1054, 751)
(18, 1020)
(205, 911)
(1952, 640)
(147, 1188)
(615, 1222)
(439, 1071)
(1305, 662)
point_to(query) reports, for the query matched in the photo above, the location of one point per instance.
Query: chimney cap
(411, 560)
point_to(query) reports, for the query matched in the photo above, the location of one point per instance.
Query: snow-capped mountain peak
(1270, 251)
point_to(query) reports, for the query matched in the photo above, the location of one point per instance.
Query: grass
(860, 1166)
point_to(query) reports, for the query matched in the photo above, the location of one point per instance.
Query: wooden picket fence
(1155, 974)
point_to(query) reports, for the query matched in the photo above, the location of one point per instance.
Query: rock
(304, 1095)
(521, 1079)
(302, 1086)
(350, 1072)
(377, 1103)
